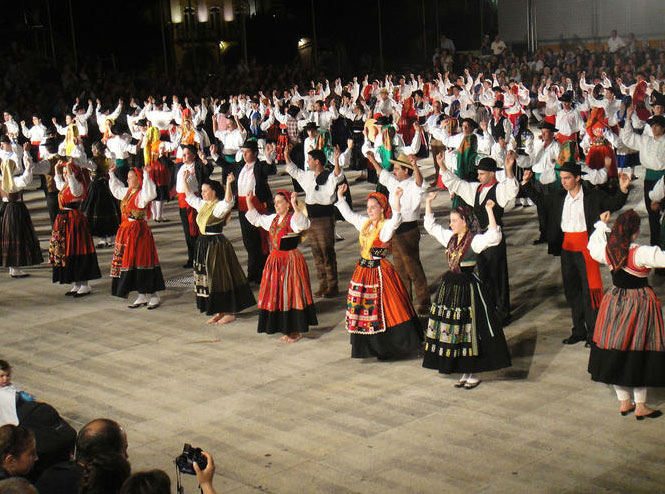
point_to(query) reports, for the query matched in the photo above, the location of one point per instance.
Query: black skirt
(18, 241)
(219, 281)
(464, 334)
(101, 209)
(402, 340)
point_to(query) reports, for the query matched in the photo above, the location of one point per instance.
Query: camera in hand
(188, 457)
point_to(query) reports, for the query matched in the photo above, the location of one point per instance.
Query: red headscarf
(618, 242)
(139, 175)
(287, 196)
(383, 201)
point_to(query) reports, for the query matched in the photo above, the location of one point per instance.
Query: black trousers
(251, 238)
(189, 239)
(52, 205)
(654, 216)
(576, 289)
(540, 209)
(493, 272)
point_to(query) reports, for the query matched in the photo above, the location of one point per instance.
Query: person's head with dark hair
(211, 190)
(5, 373)
(150, 482)
(316, 160)
(17, 485)
(624, 232)
(99, 437)
(18, 450)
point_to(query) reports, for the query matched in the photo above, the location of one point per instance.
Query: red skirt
(134, 247)
(135, 263)
(377, 299)
(285, 297)
(595, 159)
(160, 174)
(71, 249)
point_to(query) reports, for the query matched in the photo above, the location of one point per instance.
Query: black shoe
(468, 385)
(70, 293)
(188, 265)
(653, 415)
(24, 275)
(573, 339)
(539, 241)
(84, 294)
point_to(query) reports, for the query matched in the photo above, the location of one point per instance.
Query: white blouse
(646, 256)
(74, 185)
(299, 221)
(148, 190)
(220, 210)
(480, 242)
(359, 220)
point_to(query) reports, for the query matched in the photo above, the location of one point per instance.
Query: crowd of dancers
(571, 150)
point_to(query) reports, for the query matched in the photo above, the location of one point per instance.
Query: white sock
(472, 379)
(83, 288)
(464, 377)
(153, 210)
(154, 299)
(141, 299)
(75, 288)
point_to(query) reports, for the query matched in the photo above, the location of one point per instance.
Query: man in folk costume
(406, 240)
(231, 140)
(571, 214)
(652, 156)
(568, 119)
(199, 172)
(466, 144)
(492, 262)
(289, 129)
(252, 175)
(320, 186)
(388, 144)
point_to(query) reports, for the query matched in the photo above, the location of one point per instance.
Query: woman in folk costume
(72, 251)
(135, 263)
(464, 333)
(18, 241)
(99, 206)
(407, 117)
(221, 286)
(160, 171)
(285, 297)
(598, 144)
(379, 314)
(628, 348)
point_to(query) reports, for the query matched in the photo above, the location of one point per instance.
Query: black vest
(479, 208)
(497, 129)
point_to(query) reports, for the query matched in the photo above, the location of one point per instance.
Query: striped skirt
(285, 297)
(379, 313)
(629, 348)
(18, 241)
(71, 250)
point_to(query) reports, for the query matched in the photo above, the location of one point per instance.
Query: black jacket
(596, 202)
(262, 171)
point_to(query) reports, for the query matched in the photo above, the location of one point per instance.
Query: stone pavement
(306, 418)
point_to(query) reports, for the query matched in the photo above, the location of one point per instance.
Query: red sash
(261, 208)
(577, 242)
(191, 215)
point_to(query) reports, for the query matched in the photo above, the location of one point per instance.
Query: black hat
(498, 89)
(566, 97)
(548, 126)
(470, 121)
(311, 126)
(418, 92)
(224, 108)
(657, 98)
(488, 164)
(383, 120)
(571, 167)
(250, 144)
(498, 104)
(142, 122)
(657, 120)
(4, 139)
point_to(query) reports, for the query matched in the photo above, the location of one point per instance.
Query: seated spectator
(100, 465)
(17, 485)
(18, 451)
(10, 396)
(158, 482)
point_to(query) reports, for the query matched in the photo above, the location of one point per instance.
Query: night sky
(347, 30)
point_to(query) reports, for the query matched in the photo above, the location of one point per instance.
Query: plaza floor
(306, 418)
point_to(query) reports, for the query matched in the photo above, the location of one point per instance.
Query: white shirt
(119, 147)
(543, 160)
(191, 180)
(412, 197)
(506, 190)
(359, 220)
(36, 133)
(148, 189)
(479, 243)
(323, 194)
(221, 209)
(614, 44)
(645, 256)
(299, 222)
(246, 180)
(569, 122)
(652, 151)
(572, 217)
(232, 140)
